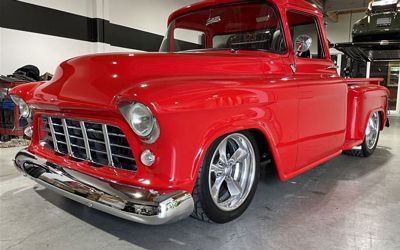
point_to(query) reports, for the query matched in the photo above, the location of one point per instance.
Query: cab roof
(209, 3)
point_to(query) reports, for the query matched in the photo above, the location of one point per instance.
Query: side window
(306, 27)
(186, 39)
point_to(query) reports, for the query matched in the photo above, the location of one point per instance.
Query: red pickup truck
(156, 137)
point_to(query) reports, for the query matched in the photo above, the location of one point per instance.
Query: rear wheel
(371, 138)
(227, 179)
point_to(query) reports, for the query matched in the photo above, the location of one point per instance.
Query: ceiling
(344, 5)
(340, 5)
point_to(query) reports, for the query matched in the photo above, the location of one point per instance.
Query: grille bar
(53, 135)
(85, 140)
(100, 144)
(107, 142)
(67, 140)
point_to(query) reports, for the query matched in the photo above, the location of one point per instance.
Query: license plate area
(384, 21)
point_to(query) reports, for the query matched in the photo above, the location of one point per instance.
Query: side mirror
(303, 44)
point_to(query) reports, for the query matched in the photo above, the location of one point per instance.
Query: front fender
(223, 129)
(25, 91)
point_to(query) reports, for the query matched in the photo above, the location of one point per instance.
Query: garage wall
(128, 25)
(79, 7)
(47, 32)
(341, 31)
(19, 48)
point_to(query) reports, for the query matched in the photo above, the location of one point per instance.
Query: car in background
(382, 22)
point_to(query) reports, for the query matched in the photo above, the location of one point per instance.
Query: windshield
(251, 26)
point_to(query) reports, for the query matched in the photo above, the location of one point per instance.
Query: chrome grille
(100, 144)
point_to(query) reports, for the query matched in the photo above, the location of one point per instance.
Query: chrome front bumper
(128, 202)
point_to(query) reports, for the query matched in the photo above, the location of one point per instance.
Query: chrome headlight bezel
(134, 114)
(24, 109)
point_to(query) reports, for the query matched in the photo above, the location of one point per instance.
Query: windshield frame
(166, 39)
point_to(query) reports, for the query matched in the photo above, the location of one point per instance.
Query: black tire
(365, 151)
(205, 208)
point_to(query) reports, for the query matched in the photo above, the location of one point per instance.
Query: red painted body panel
(307, 117)
(363, 99)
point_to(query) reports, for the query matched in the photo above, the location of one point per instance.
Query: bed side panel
(363, 99)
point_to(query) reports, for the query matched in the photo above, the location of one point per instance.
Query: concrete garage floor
(347, 203)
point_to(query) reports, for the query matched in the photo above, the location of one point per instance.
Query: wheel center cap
(228, 170)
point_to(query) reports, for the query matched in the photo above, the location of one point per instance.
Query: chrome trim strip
(117, 135)
(128, 202)
(53, 135)
(98, 151)
(90, 130)
(77, 146)
(76, 137)
(107, 142)
(69, 126)
(85, 139)
(76, 128)
(102, 142)
(124, 157)
(96, 141)
(100, 132)
(66, 135)
(119, 146)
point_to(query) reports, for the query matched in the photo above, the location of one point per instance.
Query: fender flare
(223, 130)
(381, 117)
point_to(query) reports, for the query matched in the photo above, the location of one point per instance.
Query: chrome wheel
(372, 130)
(232, 172)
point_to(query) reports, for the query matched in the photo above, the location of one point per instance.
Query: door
(322, 94)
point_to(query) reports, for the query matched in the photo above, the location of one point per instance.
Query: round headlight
(142, 120)
(24, 109)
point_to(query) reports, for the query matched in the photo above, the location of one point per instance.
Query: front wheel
(227, 179)
(371, 138)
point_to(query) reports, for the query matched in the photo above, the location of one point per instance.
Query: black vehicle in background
(382, 22)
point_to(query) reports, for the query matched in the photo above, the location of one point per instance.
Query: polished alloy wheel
(232, 172)
(372, 130)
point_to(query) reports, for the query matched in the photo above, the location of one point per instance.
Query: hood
(97, 81)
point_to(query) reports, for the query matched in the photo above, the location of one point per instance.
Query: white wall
(79, 7)
(18, 48)
(341, 31)
(149, 15)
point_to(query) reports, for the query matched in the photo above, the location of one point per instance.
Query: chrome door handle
(332, 67)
